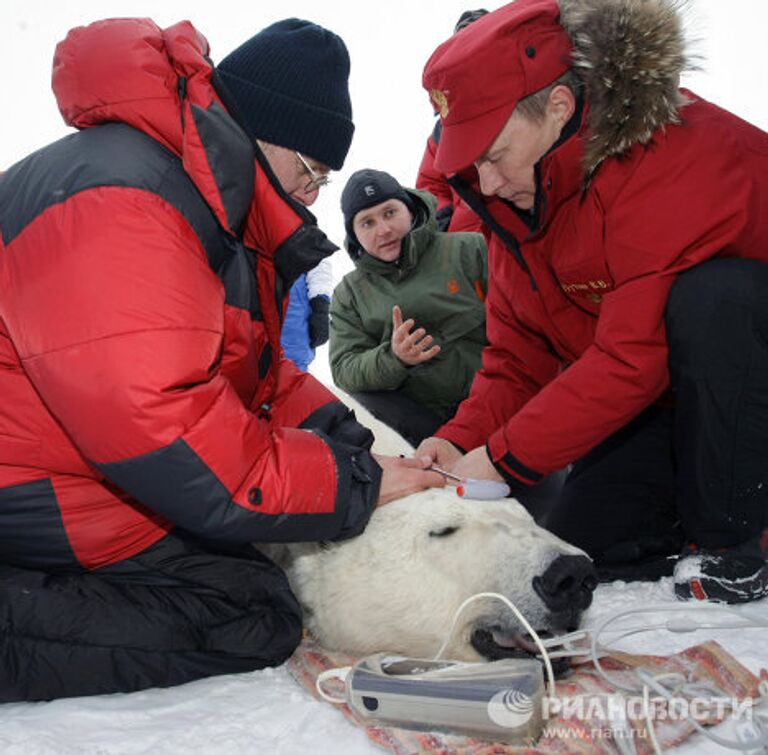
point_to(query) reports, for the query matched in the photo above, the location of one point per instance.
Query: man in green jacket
(408, 324)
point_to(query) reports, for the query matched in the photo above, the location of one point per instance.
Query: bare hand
(402, 477)
(441, 452)
(476, 465)
(410, 348)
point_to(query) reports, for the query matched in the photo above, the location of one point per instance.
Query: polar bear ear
(445, 532)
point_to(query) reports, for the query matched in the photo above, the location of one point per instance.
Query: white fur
(396, 587)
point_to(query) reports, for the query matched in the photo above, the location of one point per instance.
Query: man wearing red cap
(627, 315)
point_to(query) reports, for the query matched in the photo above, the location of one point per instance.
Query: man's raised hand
(411, 348)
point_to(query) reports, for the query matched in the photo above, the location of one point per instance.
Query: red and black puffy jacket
(143, 262)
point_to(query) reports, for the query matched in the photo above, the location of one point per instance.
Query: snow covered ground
(268, 712)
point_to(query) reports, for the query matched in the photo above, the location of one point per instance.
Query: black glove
(444, 217)
(318, 321)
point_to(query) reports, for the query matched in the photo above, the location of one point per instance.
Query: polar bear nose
(567, 584)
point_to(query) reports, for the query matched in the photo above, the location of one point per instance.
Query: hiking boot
(722, 575)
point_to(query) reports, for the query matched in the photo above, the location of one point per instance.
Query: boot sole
(716, 590)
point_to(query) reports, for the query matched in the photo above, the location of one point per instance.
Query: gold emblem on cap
(440, 101)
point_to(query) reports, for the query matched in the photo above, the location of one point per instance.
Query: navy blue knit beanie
(366, 188)
(289, 84)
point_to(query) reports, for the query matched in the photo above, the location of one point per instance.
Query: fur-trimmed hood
(629, 54)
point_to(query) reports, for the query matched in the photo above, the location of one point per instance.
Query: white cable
(758, 731)
(520, 618)
(690, 625)
(561, 639)
(649, 727)
(341, 674)
(753, 743)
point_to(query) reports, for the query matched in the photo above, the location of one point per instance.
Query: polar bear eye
(443, 532)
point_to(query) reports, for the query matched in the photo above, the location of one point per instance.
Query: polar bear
(396, 587)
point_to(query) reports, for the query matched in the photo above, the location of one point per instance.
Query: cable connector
(682, 624)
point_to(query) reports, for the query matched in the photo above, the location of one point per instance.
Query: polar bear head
(397, 586)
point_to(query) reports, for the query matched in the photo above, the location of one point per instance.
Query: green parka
(439, 280)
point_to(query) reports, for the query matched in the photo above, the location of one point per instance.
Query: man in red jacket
(453, 214)
(627, 304)
(150, 427)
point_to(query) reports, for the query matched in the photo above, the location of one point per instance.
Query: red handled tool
(478, 490)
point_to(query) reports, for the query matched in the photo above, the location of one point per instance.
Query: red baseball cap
(476, 78)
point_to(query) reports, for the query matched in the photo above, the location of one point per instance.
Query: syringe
(479, 490)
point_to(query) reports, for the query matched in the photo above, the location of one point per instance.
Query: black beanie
(367, 188)
(289, 84)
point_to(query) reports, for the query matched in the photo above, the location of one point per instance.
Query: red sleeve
(516, 364)
(432, 180)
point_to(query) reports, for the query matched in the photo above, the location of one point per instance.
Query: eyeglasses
(316, 181)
